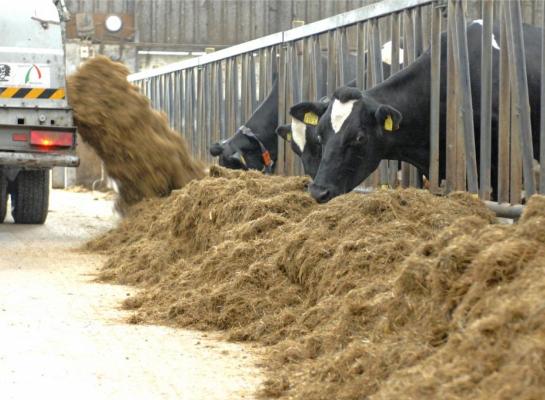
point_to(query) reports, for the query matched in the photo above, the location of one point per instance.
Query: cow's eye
(360, 139)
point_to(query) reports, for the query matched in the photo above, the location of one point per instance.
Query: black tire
(30, 197)
(3, 197)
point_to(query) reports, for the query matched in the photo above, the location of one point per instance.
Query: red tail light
(51, 139)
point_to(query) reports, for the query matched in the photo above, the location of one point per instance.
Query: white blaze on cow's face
(494, 43)
(386, 53)
(298, 132)
(340, 112)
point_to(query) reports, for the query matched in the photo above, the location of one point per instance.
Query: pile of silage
(145, 157)
(397, 294)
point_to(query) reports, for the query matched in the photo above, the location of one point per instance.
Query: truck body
(37, 130)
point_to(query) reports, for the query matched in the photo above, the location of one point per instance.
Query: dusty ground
(63, 336)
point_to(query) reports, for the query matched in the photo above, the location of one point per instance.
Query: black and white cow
(391, 120)
(301, 133)
(304, 142)
(255, 144)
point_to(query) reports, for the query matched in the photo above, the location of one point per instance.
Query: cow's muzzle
(320, 194)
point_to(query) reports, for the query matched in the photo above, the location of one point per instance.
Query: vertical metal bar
(244, 89)
(377, 56)
(520, 91)
(215, 121)
(343, 58)
(360, 61)
(222, 99)
(331, 64)
(542, 114)
(393, 165)
(281, 166)
(418, 41)
(408, 175)
(237, 67)
(515, 194)
(377, 78)
(466, 108)
(435, 99)
(262, 74)
(295, 86)
(515, 166)
(504, 115)
(318, 70)
(394, 67)
(253, 83)
(208, 110)
(307, 73)
(199, 104)
(292, 96)
(486, 102)
(228, 99)
(190, 120)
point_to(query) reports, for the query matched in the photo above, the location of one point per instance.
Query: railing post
(542, 120)
(486, 101)
(519, 83)
(435, 98)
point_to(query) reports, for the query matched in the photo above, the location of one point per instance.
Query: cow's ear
(216, 149)
(309, 112)
(388, 118)
(284, 131)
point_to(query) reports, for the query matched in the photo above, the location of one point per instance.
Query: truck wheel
(30, 197)
(3, 197)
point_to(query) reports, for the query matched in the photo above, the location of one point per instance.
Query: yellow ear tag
(311, 118)
(288, 137)
(388, 123)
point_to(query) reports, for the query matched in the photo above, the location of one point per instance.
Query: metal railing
(208, 97)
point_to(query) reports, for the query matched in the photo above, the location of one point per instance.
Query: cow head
(354, 132)
(238, 152)
(301, 134)
(255, 144)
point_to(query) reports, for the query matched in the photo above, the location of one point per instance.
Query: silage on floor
(397, 294)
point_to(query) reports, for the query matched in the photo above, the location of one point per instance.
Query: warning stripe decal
(29, 93)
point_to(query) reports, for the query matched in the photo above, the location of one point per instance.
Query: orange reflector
(51, 139)
(19, 137)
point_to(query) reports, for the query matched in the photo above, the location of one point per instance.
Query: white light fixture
(113, 23)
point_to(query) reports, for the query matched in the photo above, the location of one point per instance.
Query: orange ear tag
(266, 158)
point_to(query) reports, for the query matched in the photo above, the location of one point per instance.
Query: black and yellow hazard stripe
(31, 93)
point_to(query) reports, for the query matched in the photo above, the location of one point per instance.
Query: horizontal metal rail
(345, 19)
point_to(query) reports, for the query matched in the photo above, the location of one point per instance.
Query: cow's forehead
(340, 111)
(298, 131)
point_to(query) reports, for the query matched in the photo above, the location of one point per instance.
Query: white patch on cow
(386, 53)
(298, 133)
(494, 43)
(340, 112)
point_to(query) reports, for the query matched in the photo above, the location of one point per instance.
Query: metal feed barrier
(208, 97)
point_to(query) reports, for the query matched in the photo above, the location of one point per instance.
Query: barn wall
(215, 23)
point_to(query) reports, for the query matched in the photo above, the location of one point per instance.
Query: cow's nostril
(321, 195)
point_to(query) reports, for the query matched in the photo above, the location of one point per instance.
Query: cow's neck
(264, 121)
(408, 92)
